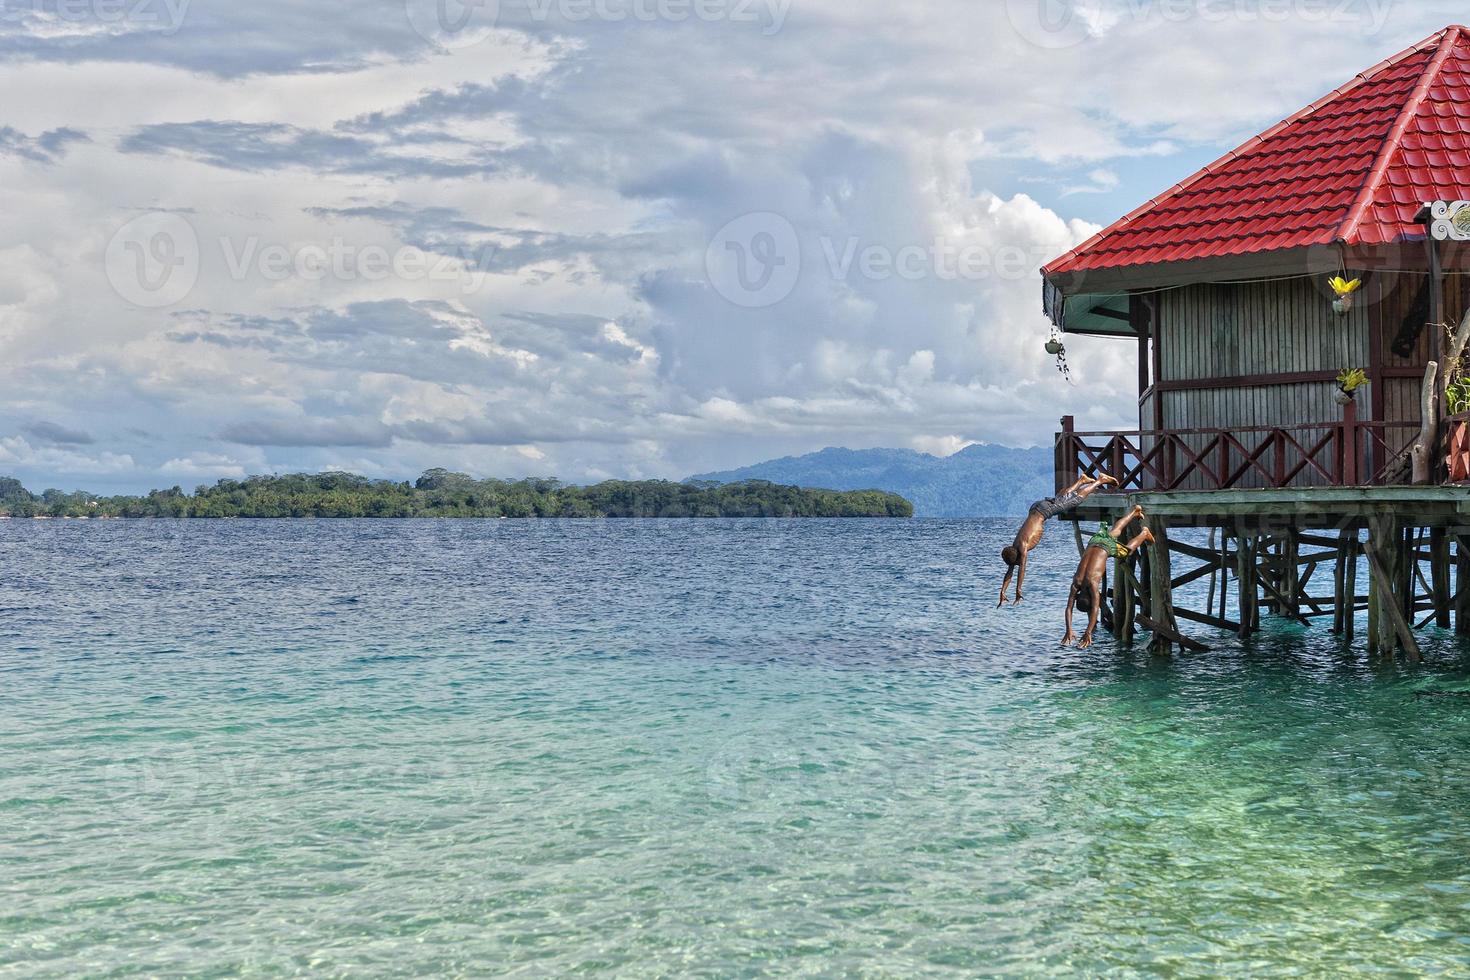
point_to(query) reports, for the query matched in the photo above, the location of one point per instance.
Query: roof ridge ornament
(1449, 221)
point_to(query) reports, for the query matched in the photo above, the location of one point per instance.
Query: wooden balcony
(1345, 453)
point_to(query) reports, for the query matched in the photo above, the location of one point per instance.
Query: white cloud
(569, 178)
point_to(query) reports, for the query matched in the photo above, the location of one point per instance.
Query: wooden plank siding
(1232, 331)
(1216, 338)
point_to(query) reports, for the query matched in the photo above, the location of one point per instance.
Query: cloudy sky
(589, 238)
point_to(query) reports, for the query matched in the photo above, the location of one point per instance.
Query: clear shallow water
(670, 748)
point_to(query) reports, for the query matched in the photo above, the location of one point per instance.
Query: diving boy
(1030, 534)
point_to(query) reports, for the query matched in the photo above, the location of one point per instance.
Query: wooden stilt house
(1222, 282)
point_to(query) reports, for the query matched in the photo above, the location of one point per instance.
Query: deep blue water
(668, 748)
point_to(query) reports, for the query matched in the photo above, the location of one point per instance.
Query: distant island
(980, 481)
(440, 493)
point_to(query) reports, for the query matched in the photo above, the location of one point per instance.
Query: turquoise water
(719, 749)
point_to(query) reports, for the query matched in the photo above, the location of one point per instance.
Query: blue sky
(589, 238)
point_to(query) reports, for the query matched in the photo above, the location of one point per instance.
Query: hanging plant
(1057, 349)
(1457, 390)
(1348, 383)
(1344, 290)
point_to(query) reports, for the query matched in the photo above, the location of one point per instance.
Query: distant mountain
(981, 481)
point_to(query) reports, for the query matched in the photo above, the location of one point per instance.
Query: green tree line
(440, 493)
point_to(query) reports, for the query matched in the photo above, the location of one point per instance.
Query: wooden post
(1245, 581)
(1115, 597)
(1439, 574)
(1392, 624)
(1341, 609)
(1422, 453)
(1350, 476)
(1214, 574)
(1224, 572)
(1407, 566)
(1066, 453)
(1350, 588)
(1161, 585)
(1462, 586)
(1291, 548)
(1127, 616)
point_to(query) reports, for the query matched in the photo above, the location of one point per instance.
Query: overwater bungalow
(1335, 242)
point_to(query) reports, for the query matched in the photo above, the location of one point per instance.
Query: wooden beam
(1285, 606)
(1170, 635)
(1248, 381)
(1205, 619)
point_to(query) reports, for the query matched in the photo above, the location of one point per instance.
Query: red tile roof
(1354, 167)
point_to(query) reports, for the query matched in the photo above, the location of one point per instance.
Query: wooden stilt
(1161, 605)
(1340, 607)
(1350, 587)
(1462, 585)
(1291, 576)
(1245, 581)
(1439, 575)
(1224, 573)
(1384, 548)
(1214, 572)
(1127, 581)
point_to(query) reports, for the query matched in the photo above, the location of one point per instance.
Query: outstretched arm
(1092, 615)
(1071, 605)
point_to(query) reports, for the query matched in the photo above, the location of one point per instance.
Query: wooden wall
(1219, 335)
(1215, 339)
(1232, 331)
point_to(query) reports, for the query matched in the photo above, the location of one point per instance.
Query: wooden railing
(1340, 454)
